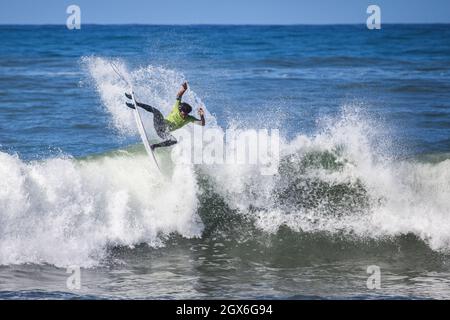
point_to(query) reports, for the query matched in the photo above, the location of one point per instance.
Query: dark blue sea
(362, 183)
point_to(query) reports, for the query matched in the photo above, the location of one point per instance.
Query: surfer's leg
(146, 107)
(163, 133)
(160, 124)
(162, 130)
(158, 119)
(171, 141)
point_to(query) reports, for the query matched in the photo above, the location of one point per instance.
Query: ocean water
(363, 179)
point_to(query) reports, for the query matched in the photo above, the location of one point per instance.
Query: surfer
(177, 118)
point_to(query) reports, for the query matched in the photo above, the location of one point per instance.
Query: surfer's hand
(201, 112)
(183, 89)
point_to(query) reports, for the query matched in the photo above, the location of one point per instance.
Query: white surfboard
(142, 131)
(137, 117)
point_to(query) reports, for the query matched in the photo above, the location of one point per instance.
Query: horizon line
(223, 24)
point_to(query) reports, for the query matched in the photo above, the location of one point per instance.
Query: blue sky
(223, 11)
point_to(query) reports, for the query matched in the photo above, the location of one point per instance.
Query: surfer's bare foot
(153, 147)
(128, 95)
(129, 105)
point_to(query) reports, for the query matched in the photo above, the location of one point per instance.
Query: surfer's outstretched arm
(183, 89)
(202, 121)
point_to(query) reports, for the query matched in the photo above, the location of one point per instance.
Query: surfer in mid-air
(177, 118)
